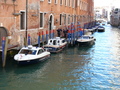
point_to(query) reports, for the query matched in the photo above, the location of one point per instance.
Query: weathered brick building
(33, 16)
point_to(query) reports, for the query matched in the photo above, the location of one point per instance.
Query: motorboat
(86, 40)
(55, 45)
(31, 54)
(101, 29)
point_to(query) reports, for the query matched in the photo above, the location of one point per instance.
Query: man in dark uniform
(59, 32)
(65, 31)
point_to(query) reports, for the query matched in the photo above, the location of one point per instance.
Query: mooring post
(4, 50)
(53, 33)
(42, 38)
(46, 35)
(38, 39)
(69, 36)
(29, 39)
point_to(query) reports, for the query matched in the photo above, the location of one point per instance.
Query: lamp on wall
(14, 13)
(56, 20)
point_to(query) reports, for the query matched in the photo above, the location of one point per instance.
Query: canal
(76, 68)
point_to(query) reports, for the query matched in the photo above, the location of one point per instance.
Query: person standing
(65, 31)
(59, 32)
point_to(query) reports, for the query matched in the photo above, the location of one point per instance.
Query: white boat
(86, 40)
(30, 55)
(101, 29)
(55, 45)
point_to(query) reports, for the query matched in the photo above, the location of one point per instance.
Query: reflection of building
(115, 17)
(17, 17)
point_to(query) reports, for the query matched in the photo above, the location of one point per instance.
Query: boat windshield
(25, 51)
(85, 37)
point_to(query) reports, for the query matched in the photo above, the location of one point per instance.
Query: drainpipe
(26, 22)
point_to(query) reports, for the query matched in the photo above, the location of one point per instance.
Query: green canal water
(76, 68)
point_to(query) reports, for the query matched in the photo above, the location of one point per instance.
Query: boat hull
(33, 61)
(86, 43)
(54, 49)
(101, 29)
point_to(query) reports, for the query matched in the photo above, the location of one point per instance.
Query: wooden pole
(39, 39)
(43, 38)
(26, 22)
(5, 52)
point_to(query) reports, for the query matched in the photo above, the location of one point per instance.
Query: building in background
(102, 13)
(21, 17)
(115, 17)
(109, 11)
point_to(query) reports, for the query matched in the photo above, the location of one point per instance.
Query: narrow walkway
(9, 47)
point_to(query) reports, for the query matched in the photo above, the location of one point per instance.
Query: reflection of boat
(30, 54)
(86, 40)
(55, 45)
(101, 29)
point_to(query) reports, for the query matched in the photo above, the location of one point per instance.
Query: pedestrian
(59, 32)
(65, 31)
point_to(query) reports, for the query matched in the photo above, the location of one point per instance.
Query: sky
(102, 2)
(115, 3)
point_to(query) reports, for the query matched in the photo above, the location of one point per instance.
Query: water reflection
(76, 68)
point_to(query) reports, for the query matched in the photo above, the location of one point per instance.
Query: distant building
(33, 16)
(101, 12)
(115, 17)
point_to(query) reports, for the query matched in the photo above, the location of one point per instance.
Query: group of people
(62, 33)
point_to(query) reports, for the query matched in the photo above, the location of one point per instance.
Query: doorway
(50, 22)
(3, 33)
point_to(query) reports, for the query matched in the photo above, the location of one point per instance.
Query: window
(49, 1)
(73, 4)
(60, 19)
(65, 19)
(54, 42)
(63, 41)
(25, 51)
(78, 2)
(69, 3)
(75, 18)
(81, 5)
(40, 51)
(22, 20)
(41, 20)
(61, 2)
(72, 18)
(56, 1)
(68, 19)
(65, 2)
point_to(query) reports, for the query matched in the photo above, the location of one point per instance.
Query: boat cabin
(31, 50)
(56, 41)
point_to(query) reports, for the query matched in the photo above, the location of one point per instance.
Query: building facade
(115, 17)
(18, 18)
